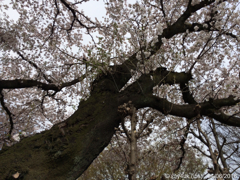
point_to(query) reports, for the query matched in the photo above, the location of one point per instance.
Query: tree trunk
(133, 146)
(68, 148)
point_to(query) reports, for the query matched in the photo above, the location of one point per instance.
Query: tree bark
(133, 147)
(67, 149)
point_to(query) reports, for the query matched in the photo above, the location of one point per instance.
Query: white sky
(91, 8)
(94, 9)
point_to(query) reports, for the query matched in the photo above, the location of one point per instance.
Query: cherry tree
(222, 144)
(139, 150)
(180, 58)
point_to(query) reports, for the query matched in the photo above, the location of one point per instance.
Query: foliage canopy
(180, 58)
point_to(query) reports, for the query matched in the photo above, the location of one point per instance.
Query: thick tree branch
(176, 28)
(24, 83)
(146, 99)
(189, 111)
(10, 115)
(187, 95)
(223, 118)
(162, 76)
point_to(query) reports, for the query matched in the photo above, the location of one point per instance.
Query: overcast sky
(91, 8)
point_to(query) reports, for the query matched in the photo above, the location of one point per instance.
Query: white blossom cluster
(49, 49)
